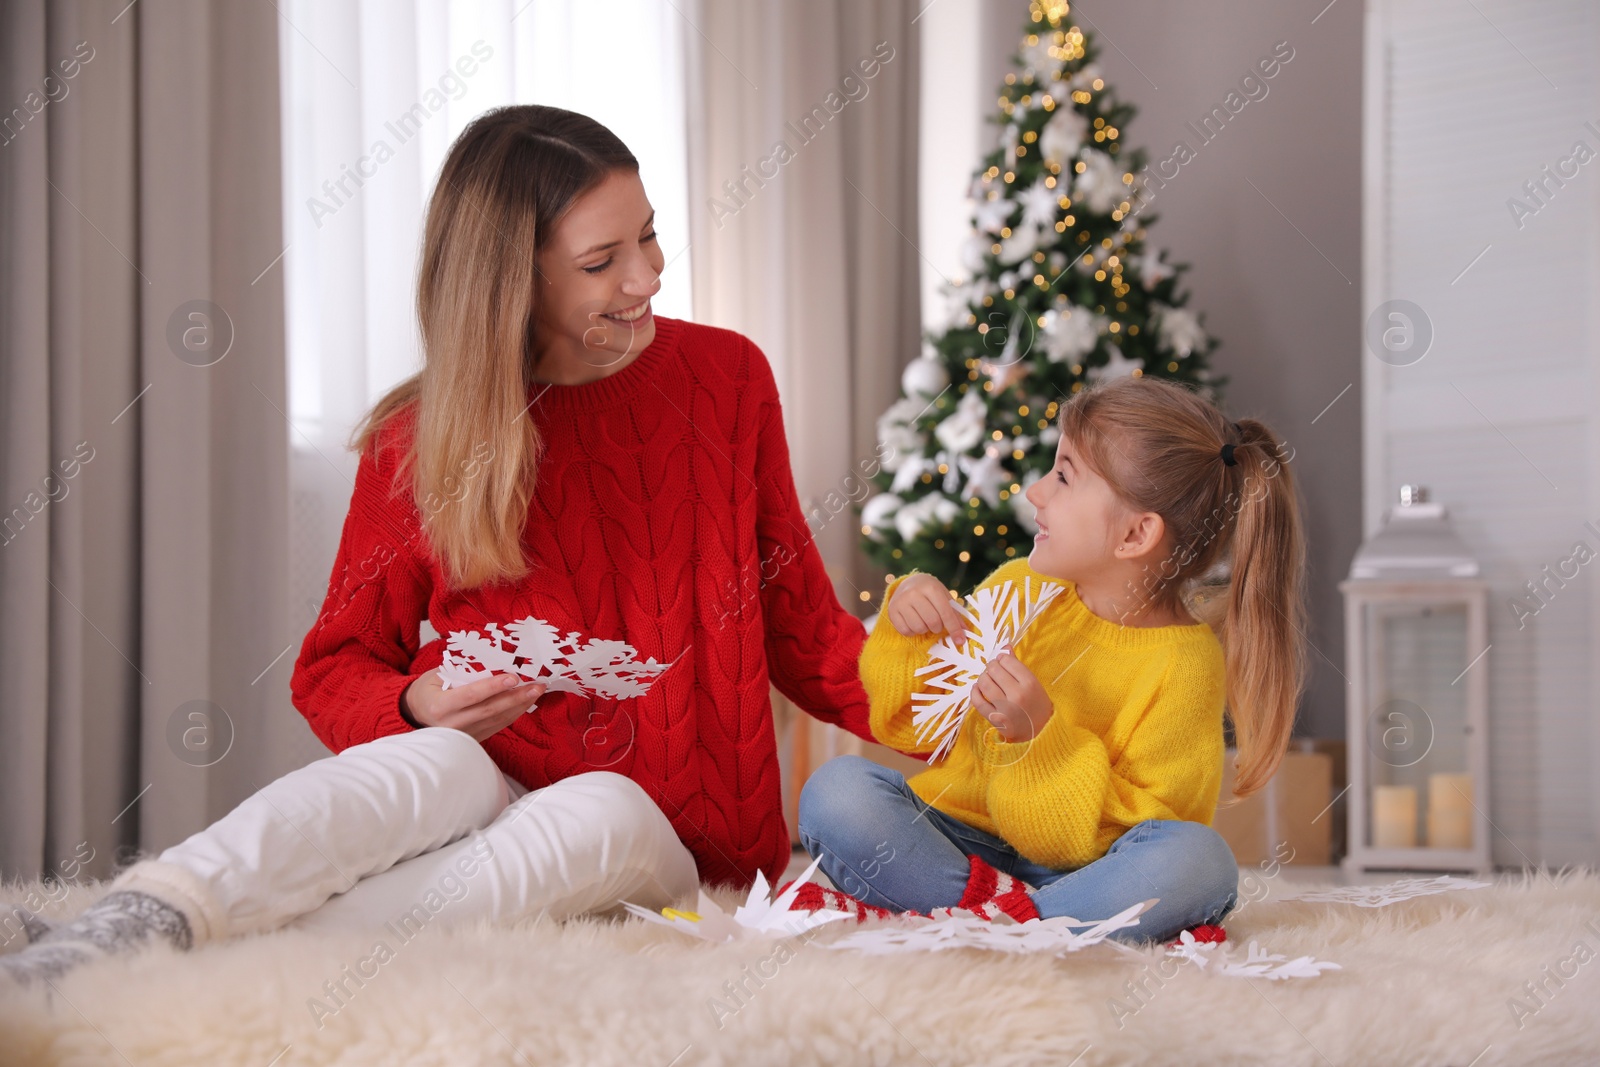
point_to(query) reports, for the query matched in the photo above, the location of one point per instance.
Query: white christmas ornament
(1071, 333)
(1117, 366)
(909, 469)
(974, 252)
(990, 216)
(986, 476)
(934, 509)
(1023, 242)
(1152, 271)
(1063, 135)
(877, 511)
(963, 428)
(533, 650)
(1179, 331)
(1037, 58)
(924, 377)
(999, 615)
(1038, 204)
(1100, 185)
(898, 436)
(957, 307)
(757, 917)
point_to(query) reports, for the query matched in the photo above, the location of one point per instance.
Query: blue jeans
(881, 844)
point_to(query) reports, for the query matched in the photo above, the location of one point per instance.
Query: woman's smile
(632, 314)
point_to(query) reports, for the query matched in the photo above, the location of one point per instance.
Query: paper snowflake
(533, 650)
(1218, 959)
(1377, 896)
(998, 615)
(758, 916)
(1056, 937)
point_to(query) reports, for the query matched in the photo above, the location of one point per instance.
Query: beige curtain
(809, 249)
(142, 435)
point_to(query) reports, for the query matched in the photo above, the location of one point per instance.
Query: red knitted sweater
(664, 515)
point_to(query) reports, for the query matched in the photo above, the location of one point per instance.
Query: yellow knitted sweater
(1136, 733)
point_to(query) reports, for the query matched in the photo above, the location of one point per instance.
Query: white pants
(419, 829)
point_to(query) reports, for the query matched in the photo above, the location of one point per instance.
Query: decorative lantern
(1416, 661)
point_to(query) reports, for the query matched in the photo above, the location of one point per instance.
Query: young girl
(567, 455)
(1085, 777)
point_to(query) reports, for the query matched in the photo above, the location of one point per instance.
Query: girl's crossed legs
(884, 846)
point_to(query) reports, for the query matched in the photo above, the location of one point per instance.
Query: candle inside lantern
(1394, 816)
(1450, 811)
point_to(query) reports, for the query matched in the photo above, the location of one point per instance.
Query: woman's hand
(922, 605)
(1010, 697)
(481, 709)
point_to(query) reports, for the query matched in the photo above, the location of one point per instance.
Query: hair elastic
(1227, 455)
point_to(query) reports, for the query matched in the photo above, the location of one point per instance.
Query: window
(373, 93)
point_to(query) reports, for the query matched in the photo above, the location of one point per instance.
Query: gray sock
(26, 923)
(120, 921)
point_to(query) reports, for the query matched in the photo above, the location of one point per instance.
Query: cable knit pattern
(1136, 733)
(665, 515)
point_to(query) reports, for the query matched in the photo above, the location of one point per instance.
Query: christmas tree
(1062, 291)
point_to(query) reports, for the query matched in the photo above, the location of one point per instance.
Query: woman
(563, 454)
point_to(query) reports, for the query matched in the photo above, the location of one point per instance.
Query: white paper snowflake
(1056, 937)
(759, 916)
(998, 615)
(533, 650)
(1377, 896)
(1218, 959)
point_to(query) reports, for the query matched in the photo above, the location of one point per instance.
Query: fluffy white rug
(1431, 980)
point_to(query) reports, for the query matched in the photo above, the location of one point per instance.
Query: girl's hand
(481, 709)
(1010, 697)
(922, 605)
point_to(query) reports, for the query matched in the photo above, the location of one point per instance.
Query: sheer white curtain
(374, 91)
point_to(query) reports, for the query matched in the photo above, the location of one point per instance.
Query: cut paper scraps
(533, 650)
(998, 615)
(1378, 896)
(1057, 936)
(759, 916)
(1214, 958)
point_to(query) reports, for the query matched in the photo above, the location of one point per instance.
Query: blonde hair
(474, 450)
(1160, 447)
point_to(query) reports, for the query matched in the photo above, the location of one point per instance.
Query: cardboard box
(1290, 819)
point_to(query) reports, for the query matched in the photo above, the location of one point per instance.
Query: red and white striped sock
(1204, 933)
(813, 897)
(991, 893)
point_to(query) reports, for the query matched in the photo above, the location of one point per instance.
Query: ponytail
(1263, 628)
(1165, 449)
